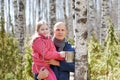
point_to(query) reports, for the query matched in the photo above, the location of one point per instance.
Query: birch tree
(2, 10)
(22, 24)
(98, 17)
(68, 17)
(113, 12)
(118, 15)
(2, 21)
(70, 20)
(105, 13)
(52, 14)
(92, 17)
(15, 3)
(81, 64)
(2, 28)
(19, 10)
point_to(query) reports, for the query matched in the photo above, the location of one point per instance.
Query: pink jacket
(43, 49)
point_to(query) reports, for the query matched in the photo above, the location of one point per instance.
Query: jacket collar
(42, 36)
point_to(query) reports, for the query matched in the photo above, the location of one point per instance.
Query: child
(44, 49)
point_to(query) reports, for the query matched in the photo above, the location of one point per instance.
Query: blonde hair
(39, 24)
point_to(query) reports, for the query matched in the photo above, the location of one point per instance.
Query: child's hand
(62, 54)
(43, 73)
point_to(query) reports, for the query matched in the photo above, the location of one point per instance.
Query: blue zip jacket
(62, 72)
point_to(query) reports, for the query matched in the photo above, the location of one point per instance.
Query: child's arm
(38, 47)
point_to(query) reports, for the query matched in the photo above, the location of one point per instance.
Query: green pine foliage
(103, 61)
(71, 41)
(10, 59)
(95, 55)
(27, 73)
(112, 50)
(111, 38)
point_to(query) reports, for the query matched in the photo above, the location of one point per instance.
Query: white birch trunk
(98, 17)
(118, 15)
(47, 12)
(68, 17)
(70, 20)
(37, 10)
(6, 15)
(30, 22)
(8, 21)
(113, 12)
(34, 14)
(20, 23)
(15, 3)
(2, 11)
(92, 11)
(9, 17)
(81, 64)
(105, 13)
(52, 14)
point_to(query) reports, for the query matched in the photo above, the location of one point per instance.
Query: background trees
(55, 10)
(81, 39)
(82, 17)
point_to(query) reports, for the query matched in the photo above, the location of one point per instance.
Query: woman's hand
(43, 73)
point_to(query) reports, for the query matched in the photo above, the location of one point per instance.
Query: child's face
(44, 30)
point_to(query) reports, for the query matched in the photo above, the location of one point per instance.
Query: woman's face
(44, 30)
